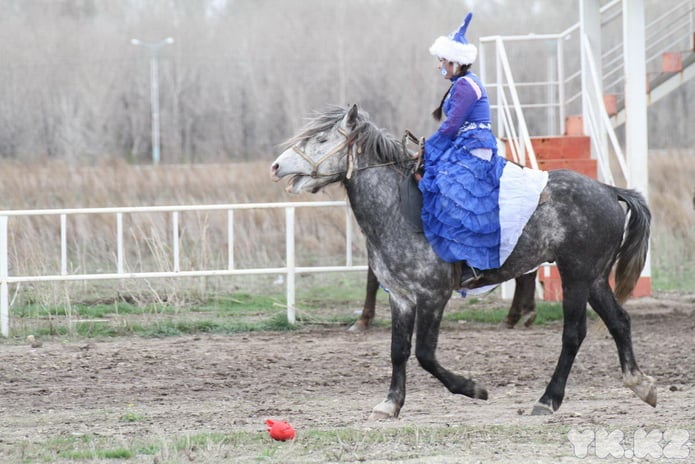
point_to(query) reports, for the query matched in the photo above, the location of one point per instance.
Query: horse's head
(320, 154)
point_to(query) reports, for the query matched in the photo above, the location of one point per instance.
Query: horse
(522, 309)
(579, 223)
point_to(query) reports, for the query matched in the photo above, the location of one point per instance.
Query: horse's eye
(322, 139)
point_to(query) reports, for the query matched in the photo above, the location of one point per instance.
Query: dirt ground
(324, 380)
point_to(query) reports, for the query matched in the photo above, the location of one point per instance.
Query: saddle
(410, 196)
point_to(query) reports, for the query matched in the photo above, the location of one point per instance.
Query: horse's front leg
(428, 323)
(402, 321)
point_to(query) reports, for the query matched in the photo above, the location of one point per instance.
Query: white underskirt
(520, 191)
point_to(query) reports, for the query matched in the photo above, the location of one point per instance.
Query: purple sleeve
(462, 100)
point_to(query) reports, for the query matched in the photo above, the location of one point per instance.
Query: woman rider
(460, 187)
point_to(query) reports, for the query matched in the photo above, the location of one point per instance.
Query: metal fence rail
(290, 269)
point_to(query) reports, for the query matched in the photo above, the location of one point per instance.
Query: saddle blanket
(520, 191)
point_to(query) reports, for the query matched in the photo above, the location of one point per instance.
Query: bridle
(348, 143)
(353, 150)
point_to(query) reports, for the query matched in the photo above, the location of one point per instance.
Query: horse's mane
(372, 140)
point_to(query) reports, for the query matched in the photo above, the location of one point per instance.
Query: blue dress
(460, 191)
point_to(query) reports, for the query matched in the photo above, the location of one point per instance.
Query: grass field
(236, 312)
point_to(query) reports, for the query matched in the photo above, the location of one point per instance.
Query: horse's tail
(632, 254)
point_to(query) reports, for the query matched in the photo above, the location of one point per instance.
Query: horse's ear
(350, 120)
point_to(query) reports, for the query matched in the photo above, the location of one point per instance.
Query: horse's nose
(273, 171)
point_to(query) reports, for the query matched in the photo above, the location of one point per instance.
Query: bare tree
(241, 75)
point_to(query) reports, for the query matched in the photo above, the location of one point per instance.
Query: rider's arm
(462, 99)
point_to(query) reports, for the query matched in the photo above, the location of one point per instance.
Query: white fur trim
(454, 51)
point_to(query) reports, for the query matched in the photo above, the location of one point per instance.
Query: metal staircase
(563, 112)
(546, 101)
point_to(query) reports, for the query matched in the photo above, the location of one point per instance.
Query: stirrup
(469, 274)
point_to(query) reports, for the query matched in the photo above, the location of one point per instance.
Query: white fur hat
(455, 47)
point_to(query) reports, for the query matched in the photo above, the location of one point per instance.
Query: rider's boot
(469, 274)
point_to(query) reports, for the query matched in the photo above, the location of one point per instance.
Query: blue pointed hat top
(460, 35)
(455, 46)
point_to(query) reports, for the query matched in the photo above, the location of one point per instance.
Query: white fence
(289, 270)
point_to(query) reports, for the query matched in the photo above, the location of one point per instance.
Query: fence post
(289, 259)
(63, 244)
(348, 237)
(175, 239)
(119, 243)
(230, 239)
(4, 291)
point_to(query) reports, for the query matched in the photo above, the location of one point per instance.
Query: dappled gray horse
(579, 224)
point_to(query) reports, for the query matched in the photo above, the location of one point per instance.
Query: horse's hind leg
(573, 333)
(523, 307)
(428, 322)
(617, 321)
(369, 308)
(402, 322)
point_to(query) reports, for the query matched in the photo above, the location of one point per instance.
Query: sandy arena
(325, 378)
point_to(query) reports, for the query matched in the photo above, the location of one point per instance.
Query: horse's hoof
(528, 319)
(541, 409)
(506, 324)
(644, 387)
(384, 410)
(379, 416)
(651, 397)
(358, 327)
(480, 393)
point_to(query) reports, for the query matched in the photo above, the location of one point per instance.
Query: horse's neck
(374, 199)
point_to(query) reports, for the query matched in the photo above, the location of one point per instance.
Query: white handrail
(559, 83)
(290, 269)
(600, 119)
(524, 136)
(667, 31)
(508, 128)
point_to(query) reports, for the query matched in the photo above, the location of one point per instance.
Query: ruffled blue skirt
(460, 193)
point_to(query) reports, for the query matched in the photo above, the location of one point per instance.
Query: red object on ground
(280, 430)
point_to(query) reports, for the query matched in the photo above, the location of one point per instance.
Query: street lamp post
(154, 47)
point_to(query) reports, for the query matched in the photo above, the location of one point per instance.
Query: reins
(419, 155)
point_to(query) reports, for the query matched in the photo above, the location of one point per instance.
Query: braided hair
(437, 113)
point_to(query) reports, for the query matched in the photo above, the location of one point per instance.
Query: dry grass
(259, 235)
(672, 202)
